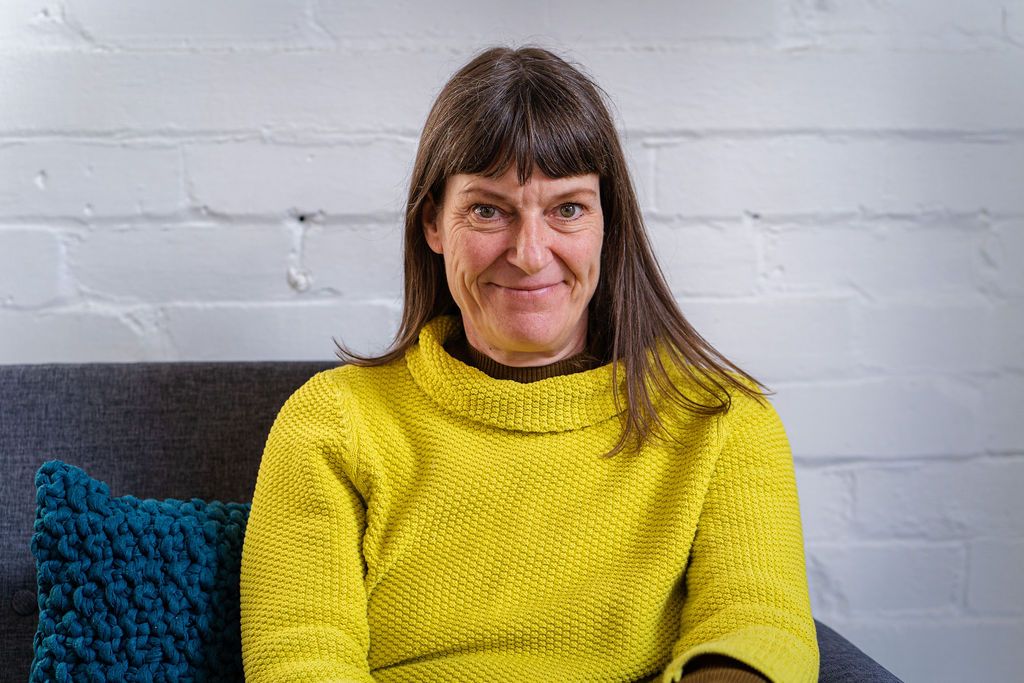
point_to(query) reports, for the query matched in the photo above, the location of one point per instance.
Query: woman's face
(522, 261)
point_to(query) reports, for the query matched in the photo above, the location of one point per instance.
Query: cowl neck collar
(554, 404)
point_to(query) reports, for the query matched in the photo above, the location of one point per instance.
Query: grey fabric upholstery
(160, 430)
(166, 430)
(844, 662)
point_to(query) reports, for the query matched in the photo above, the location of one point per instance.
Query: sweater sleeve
(746, 581)
(303, 599)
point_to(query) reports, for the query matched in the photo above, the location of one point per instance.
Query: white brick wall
(835, 190)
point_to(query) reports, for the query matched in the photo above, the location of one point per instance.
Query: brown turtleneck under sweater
(703, 668)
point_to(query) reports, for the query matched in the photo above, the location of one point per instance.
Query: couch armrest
(844, 662)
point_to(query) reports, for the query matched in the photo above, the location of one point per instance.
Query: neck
(459, 347)
(575, 345)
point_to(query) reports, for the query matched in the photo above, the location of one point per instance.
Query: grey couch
(166, 430)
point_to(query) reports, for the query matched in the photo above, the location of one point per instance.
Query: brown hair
(528, 106)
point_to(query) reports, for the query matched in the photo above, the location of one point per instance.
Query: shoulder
(739, 400)
(711, 387)
(319, 388)
(752, 418)
(354, 393)
(316, 401)
(347, 379)
(326, 398)
(367, 383)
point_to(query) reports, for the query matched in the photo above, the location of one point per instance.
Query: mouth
(531, 287)
(528, 291)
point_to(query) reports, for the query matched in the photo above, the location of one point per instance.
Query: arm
(303, 601)
(747, 594)
(719, 669)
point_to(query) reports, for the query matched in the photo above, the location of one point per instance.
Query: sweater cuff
(780, 655)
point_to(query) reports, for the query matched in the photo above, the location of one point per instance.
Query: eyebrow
(497, 195)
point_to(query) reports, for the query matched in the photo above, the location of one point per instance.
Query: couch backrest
(154, 430)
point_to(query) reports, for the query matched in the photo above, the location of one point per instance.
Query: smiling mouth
(531, 292)
(530, 289)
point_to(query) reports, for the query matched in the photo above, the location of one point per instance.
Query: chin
(532, 334)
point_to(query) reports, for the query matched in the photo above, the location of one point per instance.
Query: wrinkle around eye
(580, 214)
(474, 214)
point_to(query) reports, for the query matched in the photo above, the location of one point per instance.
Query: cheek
(587, 260)
(481, 252)
(471, 254)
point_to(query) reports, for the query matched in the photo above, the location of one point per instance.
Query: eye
(488, 211)
(570, 215)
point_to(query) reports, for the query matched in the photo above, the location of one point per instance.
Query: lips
(529, 288)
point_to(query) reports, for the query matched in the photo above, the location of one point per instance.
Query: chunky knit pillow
(134, 590)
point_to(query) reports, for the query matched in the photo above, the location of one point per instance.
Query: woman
(550, 476)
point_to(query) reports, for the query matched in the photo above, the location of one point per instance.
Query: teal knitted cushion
(134, 590)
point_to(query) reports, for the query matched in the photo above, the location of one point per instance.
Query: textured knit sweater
(423, 521)
(707, 668)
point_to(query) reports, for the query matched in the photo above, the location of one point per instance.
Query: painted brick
(825, 503)
(71, 178)
(881, 259)
(358, 177)
(906, 19)
(74, 336)
(771, 338)
(711, 90)
(184, 263)
(30, 266)
(556, 24)
(826, 596)
(197, 24)
(707, 259)
(1004, 250)
(355, 261)
(364, 22)
(639, 157)
(36, 24)
(702, 91)
(1007, 341)
(1001, 419)
(657, 22)
(876, 578)
(204, 92)
(941, 500)
(287, 331)
(881, 418)
(944, 338)
(1014, 20)
(994, 585)
(783, 175)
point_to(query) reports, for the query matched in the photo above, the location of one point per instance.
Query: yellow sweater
(421, 521)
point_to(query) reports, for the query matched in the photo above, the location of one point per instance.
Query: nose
(531, 252)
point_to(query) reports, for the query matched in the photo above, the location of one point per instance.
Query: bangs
(529, 124)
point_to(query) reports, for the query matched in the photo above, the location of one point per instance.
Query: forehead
(507, 184)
